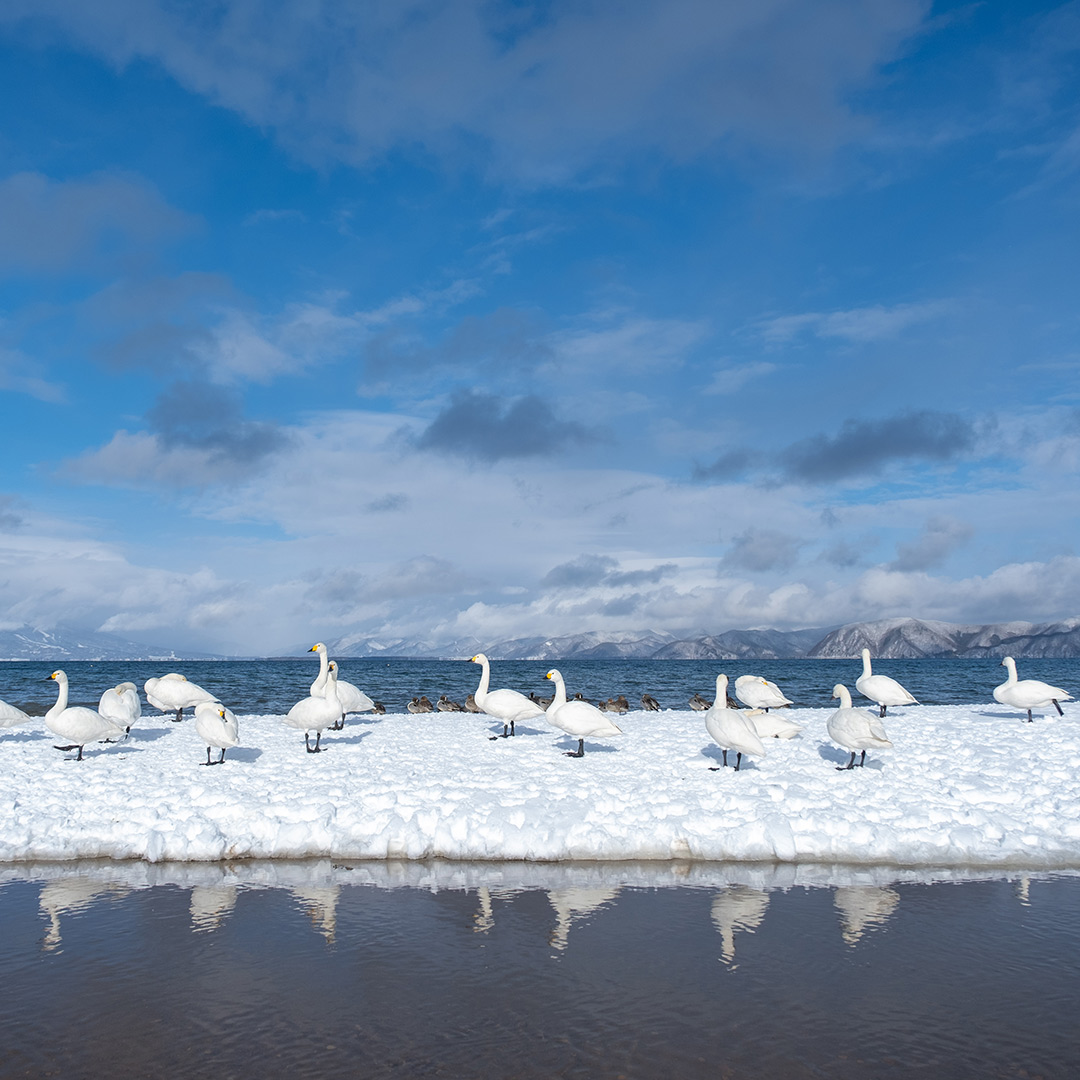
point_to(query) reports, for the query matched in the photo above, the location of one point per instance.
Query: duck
(352, 698)
(77, 724)
(730, 728)
(649, 703)
(1028, 693)
(700, 704)
(173, 693)
(420, 705)
(855, 729)
(218, 726)
(444, 704)
(577, 718)
(759, 693)
(506, 705)
(121, 705)
(471, 706)
(380, 709)
(881, 688)
(316, 712)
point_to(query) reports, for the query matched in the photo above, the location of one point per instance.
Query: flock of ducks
(331, 699)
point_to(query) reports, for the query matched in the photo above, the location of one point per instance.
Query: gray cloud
(938, 540)
(758, 550)
(583, 571)
(547, 94)
(866, 447)
(9, 519)
(484, 427)
(392, 502)
(728, 466)
(204, 416)
(54, 226)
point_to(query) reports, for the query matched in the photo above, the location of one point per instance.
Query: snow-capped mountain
(64, 643)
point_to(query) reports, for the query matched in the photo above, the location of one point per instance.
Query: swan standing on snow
(173, 693)
(759, 693)
(505, 705)
(218, 726)
(77, 724)
(880, 688)
(855, 729)
(317, 711)
(577, 718)
(352, 698)
(1028, 693)
(121, 705)
(730, 729)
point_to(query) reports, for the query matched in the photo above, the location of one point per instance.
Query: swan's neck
(845, 694)
(485, 678)
(560, 694)
(61, 698)
(331, 693)
(319, 685)
(866, 664)
(721, 692)
(1010, 667)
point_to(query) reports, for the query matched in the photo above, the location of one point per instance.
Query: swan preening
(173, 693)
(759, 693)
(77, 724)
(217, 725)
(1028, 694)
(855, 729)
(506, 705)
(11, 716)
(577, 718)
(731, 729)
(121, 705)
(880, 688)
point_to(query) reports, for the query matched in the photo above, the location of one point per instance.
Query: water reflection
(863, 908)
(69, 895)
(738, 908)
(575, 904)
(320, 906)
(210, 904)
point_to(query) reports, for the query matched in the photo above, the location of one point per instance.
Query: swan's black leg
(207, 761)
(222, 758)
(179, 716)
(316, 748)
(849, 765)
(512, 732)
(725, 758)
(862, 760)
(738, 759)
(79, 757)
(1057, 706)
(580, 752)
(882, 713)
(1030, 721)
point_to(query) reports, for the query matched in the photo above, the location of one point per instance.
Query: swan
(317, 711)
(577, 718)
(880, 688)
(1028, 693)
(505, 705)
(770, 726)
(855, 729)
(218, 726)
(173, 693)
(11, 716)
(730, 729)
(759, 693)
(352, 698)
(77, 724)
(121, 705)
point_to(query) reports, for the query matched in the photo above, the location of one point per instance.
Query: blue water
(273, 686)
(976, 980)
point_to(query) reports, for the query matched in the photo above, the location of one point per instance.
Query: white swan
(352, 698)
(121, 705)
(505, 705)
(173, 693)
(11, 716)
(855, 729)
(771, 726)
(218, 726)
(78, 724)
(317, 711)
(577, 718)
(1028, 693)
(730, 729)
(759, 693)
(880, 688)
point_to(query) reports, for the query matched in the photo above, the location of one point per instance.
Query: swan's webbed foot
(178, 717)
(1057, 706)
(714, 768)
(207, 761)
(316, 749)
(579, 752)
(73, 746)
(222, 758)
(849, 765)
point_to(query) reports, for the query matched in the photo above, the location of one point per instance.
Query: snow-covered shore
(964, 786)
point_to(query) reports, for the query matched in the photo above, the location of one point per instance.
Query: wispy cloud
(857, 325)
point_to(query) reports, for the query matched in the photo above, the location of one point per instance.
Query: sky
(448, 318)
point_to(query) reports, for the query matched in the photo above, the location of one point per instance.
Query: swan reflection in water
(863, 908)
(737, 908)
(320, 906)
(484, 919)
(572, 905)
(209, 906)
(66, 896)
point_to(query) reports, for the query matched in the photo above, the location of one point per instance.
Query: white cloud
(857, 325)
(22, 375)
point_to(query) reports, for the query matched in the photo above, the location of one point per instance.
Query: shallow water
(505, 970)
(273, 686)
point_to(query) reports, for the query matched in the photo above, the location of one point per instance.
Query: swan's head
(553, 674)
(59, 676)
(479, 658)
(1008, 661)
(332, 666)
(865, 655)
(838, 690)
(317, 647)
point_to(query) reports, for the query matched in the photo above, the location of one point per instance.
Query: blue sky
(450, 319)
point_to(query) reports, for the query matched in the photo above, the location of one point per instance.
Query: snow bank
(964, 786)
